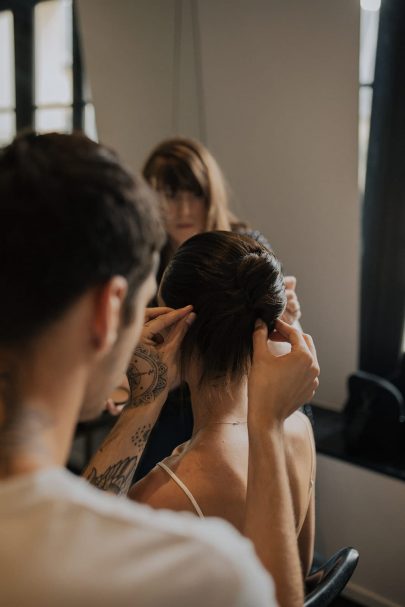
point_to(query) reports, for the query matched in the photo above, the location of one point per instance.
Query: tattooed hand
(154, 365)
(152, 372)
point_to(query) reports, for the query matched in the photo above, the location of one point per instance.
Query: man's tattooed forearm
(117, 478)
(147, 376)
(139, 439)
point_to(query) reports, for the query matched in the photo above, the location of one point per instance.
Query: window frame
(24, 49)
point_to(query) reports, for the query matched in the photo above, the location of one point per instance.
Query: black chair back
(325, 583)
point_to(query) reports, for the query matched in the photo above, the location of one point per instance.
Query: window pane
(368, 44)
(56, 119)
(365, 99)
(53, 52)
(7, 127)
(7, 87)
(90, 127)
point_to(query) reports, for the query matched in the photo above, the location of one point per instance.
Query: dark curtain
(383, 256)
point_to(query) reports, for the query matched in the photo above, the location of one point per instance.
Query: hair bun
(248, 283)
(260, 283)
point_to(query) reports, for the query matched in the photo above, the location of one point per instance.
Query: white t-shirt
(65, 543)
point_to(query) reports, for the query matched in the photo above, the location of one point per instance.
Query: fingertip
(261, 331)
(191, 318)
(281, 324)
(260, 335)
(291, 281)
(276, 336)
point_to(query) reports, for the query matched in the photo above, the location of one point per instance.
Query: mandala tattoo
(141, 436)
(145, 385)
(117, 478)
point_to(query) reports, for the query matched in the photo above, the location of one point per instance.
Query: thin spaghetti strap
(183, 487)
(308, 427)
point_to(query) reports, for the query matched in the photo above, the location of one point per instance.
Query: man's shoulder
(137, 551)
(188, 553)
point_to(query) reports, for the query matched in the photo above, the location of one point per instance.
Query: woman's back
(212, 467)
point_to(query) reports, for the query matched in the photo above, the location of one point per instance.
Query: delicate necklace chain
(234, 423)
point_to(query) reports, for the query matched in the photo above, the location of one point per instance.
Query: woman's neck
(214, 404)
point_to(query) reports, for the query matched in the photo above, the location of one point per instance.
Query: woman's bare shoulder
(145, 488)
(216, 490)
(158, 490)
(300, 446)
(297, 427)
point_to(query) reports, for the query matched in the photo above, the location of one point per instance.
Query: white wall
(130, 71)
(272, 86)
(366, 510)
(281, 103)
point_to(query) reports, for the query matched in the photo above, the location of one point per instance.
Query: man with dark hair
(79, 244)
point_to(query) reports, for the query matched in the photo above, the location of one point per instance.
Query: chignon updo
(231, 280)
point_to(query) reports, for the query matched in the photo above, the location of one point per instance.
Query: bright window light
(6, 60)
(370, 5)
(53, 53)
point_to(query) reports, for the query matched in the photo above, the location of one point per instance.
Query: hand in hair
(151, 373)
(159, 343)
(292, 312)
(158, 349)
(278, 385)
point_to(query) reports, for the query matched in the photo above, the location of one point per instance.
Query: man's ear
(108, 301)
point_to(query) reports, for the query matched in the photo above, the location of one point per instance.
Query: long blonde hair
(186, 164)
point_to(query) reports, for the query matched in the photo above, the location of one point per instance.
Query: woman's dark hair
(71, 217)
(231, 280)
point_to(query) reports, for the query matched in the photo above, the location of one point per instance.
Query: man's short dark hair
(71, 217)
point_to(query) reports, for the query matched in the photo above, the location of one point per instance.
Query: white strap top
(182, 487)
(313, 470)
